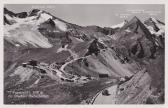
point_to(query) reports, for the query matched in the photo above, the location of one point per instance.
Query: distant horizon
(105, 15)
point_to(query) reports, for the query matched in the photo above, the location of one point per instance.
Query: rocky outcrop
(136, 90)
(22, 15)
(157, 29)
(34, 12)
(139, 90)
(136, 26)
(151, 23)
(6, 21)
(10, 13)
(94, 47)
(134, 40)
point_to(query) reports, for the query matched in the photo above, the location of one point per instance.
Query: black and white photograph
(83, 54)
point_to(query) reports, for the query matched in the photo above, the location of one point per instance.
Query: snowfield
(61, 25)
(24, 35)
(25, 30)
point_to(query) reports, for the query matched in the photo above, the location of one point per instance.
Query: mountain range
(70, 59)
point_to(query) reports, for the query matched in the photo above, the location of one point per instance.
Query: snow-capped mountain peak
(35, 17)
(22, 29)
(155, 26)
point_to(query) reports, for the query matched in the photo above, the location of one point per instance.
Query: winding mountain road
(103, 99)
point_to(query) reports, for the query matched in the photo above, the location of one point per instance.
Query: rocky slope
(59, 59)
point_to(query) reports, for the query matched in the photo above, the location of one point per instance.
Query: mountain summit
(136, 26)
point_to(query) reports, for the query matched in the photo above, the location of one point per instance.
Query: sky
(104, 15)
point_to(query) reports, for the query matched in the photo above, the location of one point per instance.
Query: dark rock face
(137, 50)
(95, 47)
(48, 25)
(34, 12)
(161, 41)
(22, 15)
(138, 41)
(6, 21)
(51, 22)
(150, 22)
(10, 13)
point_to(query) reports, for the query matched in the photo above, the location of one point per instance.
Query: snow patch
(8, 17)
(17, 45)
(61, 25)
(119, 25)
(37, 81)
(127, 30)
(79, 39)
(160, 26)
(43, 17)
(62, 49)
